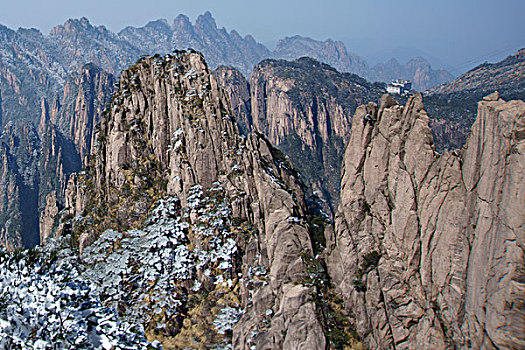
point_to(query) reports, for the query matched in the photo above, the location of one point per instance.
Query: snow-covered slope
(46, 304)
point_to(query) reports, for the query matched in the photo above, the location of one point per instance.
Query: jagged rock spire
(44, 116)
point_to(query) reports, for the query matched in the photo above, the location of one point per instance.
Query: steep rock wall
(19, 179)
(428, 248)
(237, 90)
(86, 95)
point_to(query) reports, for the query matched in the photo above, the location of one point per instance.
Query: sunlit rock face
(304, 107)
(428, 247)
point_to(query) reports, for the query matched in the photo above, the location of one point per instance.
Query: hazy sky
(455, 32)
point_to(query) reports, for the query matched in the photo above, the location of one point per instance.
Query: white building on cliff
(399, 87)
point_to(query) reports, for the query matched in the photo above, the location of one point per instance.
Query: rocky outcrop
(34, 92)
(304, 108)
(428, 248)
(9, 213)
(58, 160)
(170, 131)
(65, 141)
(49, 216)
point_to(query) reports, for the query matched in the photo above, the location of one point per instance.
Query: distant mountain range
(77, 42)
(223, 48)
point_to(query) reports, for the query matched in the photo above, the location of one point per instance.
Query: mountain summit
(242, 236)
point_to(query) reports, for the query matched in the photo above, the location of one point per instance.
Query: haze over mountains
(114, 52)
(243, 198)
(225, 48)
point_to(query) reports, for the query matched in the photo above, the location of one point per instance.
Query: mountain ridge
(455, 105)
(170, 136)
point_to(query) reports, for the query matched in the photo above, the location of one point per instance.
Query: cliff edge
(428, 248)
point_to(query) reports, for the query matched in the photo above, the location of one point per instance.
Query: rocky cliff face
(19, 180)
(169, 133)
(448, 134)
(33, 165)
(304, 108)
(58, 159)
(237, 90)
(428, 248)
(85, 97)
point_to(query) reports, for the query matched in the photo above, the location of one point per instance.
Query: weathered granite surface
(428, 249)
